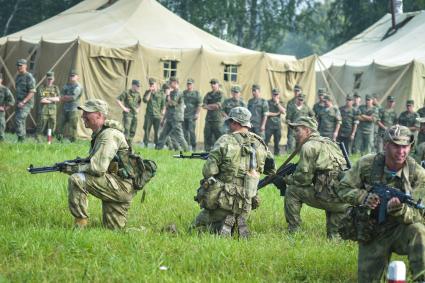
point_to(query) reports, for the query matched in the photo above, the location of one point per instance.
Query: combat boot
(80, 223)
(228, 224)
(242, 227)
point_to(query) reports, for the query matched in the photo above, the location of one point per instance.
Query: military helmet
(400, 135)
(305, 121)
(240, 115)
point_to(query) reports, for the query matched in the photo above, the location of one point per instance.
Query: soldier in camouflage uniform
(367, 117)
(70, 96)
(192, 100)
(273, 124)
(259, 108)
(348, 128)
(6, 100)
(155, 110)
(378, 109)
(25, 90)
(316, 177)
(293, 113)
(420, 144)
(357, 138)
(130, 101)
(329, 119)
(403, 232)
(319, 106)
(234, 101)
(408, 117)
(98, 177)
(291, 108)
(387, 117)
(421, 112)
(421, 132)
(228, 191)
(47, 95)
(212, 102)
(173, 119)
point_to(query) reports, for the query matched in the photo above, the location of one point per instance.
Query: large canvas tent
(380, 61)
(109, 45)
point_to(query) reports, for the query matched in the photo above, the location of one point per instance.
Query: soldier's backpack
(133, 166)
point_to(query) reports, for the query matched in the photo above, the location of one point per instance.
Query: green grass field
(38, 244)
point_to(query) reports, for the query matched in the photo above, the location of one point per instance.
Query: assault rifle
(194, 155)
(277, 179)
(57, 166)
(386, 193)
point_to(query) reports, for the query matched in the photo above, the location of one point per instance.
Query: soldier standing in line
(228, 191)
(25, 90)
(329, 119)
(387, 117)
(192, 100)
(299, 109)
(232, 102)
(349, 124)
(378, 109)
(259, 108)
(319, 106)
(408, 117)
(214, 120)
(316, 177)
(290, 146)
(6, 101)
(420, 144)
(367, 117)
(173, 119)
(155, 108)
(48, 95)
(70, 96)
(130, 101)
(403, 231)
(273, 124)
(421, 111)
(356, 105)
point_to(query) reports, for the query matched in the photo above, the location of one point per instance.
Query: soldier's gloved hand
(70, 168)
(255, 202)
(395, 207)
(371, 200)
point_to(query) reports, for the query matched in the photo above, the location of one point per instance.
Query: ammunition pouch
(325, 183)
(357, 225)
(208, 193)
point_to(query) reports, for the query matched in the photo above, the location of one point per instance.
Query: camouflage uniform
(192, 100)
(173, 127)
(98, 179)
(24, 83)
(388, 117)
(70, 115)
(6, 100)
(258, 108)
(365, 129)
(273, 126)
(231, 103)
(328, 119)
(421, 112)
(318, 108)
(47, 112)
(403, 232)
(408, 119)
(154, 107)
(132, 100)
(292, 114)
(315, 180)
(349, 120)
(419, 152)
(229, 186)
(214, 120)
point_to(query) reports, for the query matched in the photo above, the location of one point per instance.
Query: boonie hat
(21, 62)
(400, 135)
(240, 115)
(305, 121)
(235, 89)
(95, 105)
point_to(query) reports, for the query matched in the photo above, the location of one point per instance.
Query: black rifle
(57, 166)
(194, 155)
(386, 193)
(277, 179)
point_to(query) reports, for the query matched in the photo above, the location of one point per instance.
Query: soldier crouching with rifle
(99, 176)
(228, 191)
(387, 222)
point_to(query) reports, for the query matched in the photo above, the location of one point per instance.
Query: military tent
(112, 42)
(380, 60)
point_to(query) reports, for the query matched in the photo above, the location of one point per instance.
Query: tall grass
(38, 244)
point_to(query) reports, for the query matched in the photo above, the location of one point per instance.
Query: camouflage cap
(240, 115)
(255, 87)
(73, 72)
(165, 86)
(213, 81)
(135, 82)
(305, 121)
(235, 89)
(50, 74)
(21, 62)
(301, 96)
(152, 81)
(420, 119)
(190, 81)
(95, 105)
(173, 79)
(400, 135)
(374, 95)
(275, 91)
(390, 98)
(327, 97)
(321, 91)
(410, 102)
(349, 97)
(356, 95)
(368, 97)
(297, 88)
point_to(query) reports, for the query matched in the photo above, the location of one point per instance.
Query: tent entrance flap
(285, 81)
